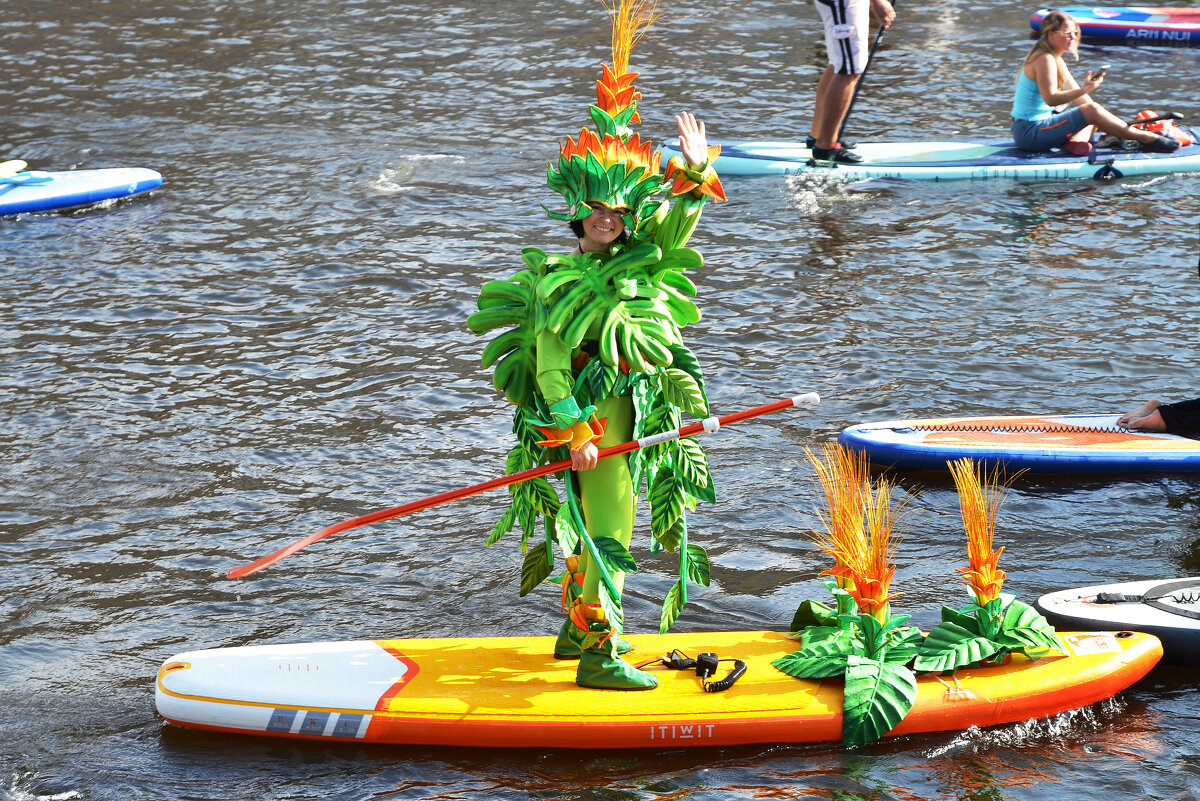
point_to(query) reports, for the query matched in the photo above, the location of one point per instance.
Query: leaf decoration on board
(1006, 625)
(878, 696)
(869, 646)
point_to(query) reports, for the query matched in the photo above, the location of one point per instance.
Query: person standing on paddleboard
(596, 357)
(1044, 82)
(847, 25)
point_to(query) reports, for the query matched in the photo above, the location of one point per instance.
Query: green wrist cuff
(567, 412)
(700, 174)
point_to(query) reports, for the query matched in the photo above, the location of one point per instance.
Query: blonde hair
(1055, 21)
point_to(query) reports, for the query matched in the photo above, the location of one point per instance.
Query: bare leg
(834, 93)
(1110, 123)
(818, 107)
(1083, 134)
(1144, 418)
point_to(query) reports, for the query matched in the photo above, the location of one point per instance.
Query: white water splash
(1031, 732)
(813, 190)
(18, 790)
(395, 179)
(1151, 181)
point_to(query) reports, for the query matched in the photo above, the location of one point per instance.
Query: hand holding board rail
(709, 425)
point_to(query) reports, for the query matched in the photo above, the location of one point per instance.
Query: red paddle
(709, 425)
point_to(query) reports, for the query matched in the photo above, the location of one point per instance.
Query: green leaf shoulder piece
(513, 302)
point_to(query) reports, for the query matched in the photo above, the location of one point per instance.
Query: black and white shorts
(847, 27)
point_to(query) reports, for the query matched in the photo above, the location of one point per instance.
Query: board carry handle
(708, 425)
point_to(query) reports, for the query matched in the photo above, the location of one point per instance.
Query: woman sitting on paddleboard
(1044, 81)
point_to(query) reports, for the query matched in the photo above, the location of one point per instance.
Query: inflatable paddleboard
(1071, 443)
(948, 161)
(1132, 24)
(33, 191)
(510, 692)
(1169, 609)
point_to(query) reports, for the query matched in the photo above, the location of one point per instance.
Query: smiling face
(1061, 32)
(601, 228)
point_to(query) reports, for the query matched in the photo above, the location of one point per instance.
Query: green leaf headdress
(611, 165)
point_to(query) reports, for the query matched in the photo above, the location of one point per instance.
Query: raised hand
(693, 142)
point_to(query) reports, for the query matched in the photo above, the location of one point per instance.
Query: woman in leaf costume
(592, 355)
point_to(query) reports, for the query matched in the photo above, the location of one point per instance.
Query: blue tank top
(1027, 101)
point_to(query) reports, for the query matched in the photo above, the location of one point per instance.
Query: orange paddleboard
(510, 692)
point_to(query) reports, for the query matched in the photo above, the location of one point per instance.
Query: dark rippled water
(274, 341)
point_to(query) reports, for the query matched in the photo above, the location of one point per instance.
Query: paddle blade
(270, 559)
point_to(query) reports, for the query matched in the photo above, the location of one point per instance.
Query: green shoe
(568, 644)
(600, 670)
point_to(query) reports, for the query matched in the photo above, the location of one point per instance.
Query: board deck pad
(74, 188)
(1167, 608)
(946, 161)
(511, 692)
(1071, 443)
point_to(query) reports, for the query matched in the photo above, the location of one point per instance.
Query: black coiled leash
(706, 665)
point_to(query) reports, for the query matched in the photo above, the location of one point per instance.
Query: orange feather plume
(630, 21)
(979, 501)
(860, 527)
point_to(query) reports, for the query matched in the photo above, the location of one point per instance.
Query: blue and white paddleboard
(947, 161)
(1069, 443)
(1167, 608)
(22, 192)
(1132, 24)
